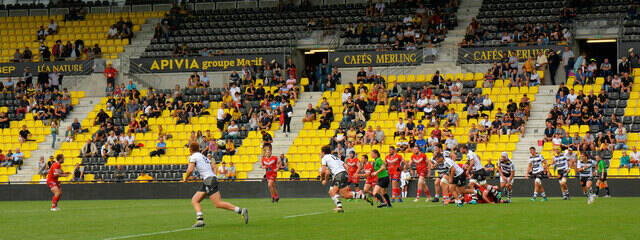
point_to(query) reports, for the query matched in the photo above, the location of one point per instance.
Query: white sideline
(302, 215)
(150, 234)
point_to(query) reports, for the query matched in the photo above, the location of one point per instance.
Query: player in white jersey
(475, 170)
(536, 170)
(331, 165)
(405, 176)
(457, 178)
(206, 169)
(507, 172)
(584, 168)
(561, 164)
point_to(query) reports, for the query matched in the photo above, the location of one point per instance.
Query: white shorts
(403, 183)
(504, 180)
(444, 179)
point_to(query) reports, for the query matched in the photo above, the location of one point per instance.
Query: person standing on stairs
(288, 113)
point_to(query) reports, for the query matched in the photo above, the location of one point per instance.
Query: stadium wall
(286, 189)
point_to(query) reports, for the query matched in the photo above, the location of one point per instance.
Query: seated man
(17, 159)
(161, 148)
(144, 178)
(24, 134)
(89, 149)
(310, 114)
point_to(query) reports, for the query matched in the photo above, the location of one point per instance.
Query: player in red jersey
(270, 164)
(52, 181)
(394, 163)
(371, 179)
(353, 168)
(422, 170)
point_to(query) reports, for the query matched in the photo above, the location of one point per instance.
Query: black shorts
(603, 177)
(209, 186)
(563, 173)
(584, 180)
(460, 180)
(540, 175)
(479, 175)
(383, 182)
(341, 180)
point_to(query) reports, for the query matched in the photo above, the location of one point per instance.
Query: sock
(437, 195)
(589, 193)
(418, 194)
(356, 195)
(386, 198)
(607, 188)
(535, 194)
(237, 210)
(276, 196)
(509, 194)
(428, 193)
(544, 195)
(406, 193)
(336, 201)
(597, 190)
(54, 201)
(199, 216)
(380, 198)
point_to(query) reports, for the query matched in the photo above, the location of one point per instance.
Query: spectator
(120, 174)
(43, 168)
(310, 114)
(380, 136)
(78, 173)
(294, 175)
(222, 171)
(24, 135)
(284, 162)
(567, 58)
(625, 161)
(144, 178)
(52, 28)
(634, 157)
(42, 34)
(230, 148)
(113, 32)
(621, 140)
(161, 147)
(17, 158)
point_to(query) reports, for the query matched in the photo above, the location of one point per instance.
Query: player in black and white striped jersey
(561, 164)
(584, 169)
(536, 170)
(507, 172)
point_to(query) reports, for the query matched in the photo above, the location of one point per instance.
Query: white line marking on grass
(150, 234)
(302, 215)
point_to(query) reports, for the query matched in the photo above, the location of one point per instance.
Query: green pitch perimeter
(607, 218)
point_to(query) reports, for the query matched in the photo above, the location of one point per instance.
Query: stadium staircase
(139, 42)
(535, 126)
(282, 142)
(44, 149)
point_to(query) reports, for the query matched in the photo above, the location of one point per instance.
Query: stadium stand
(84, 35)
(524, 23)
(597, 118)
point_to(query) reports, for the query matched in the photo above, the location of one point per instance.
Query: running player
(422, 170)
(507, 172)
(371, 179)
(457, 178)
(584, 168)
(52, 181)
(394, 163)
(353, 167)
(536, 169)
(380, 190)
(561, 163)
(602, 176)
(206, 169)
(270, 164)
(340, 181)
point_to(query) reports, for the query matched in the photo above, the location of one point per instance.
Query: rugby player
(536, 169)
(270, 164)
(353, 166)
(394, 163)
(340, 181)
(561, 163)
(441, 184)
(422, 170)
(489, 194)
(207, 171)
(602, 176)
(507, 172)
(371, 179)
(52, 181)
(457, 178)
(380, 170)
(584, 168)
(475, 169)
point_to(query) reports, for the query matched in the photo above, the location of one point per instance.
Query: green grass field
(610, 218)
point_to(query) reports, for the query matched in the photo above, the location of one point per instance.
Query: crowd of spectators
(510, 33)
(422, 27)
(121, 30)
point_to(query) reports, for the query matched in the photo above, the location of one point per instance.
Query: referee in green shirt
(602, 176)
(380, 190)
